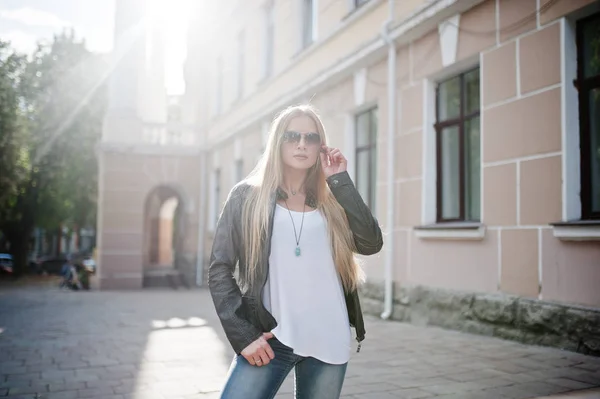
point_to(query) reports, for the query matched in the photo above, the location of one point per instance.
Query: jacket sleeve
(224, 290)
(365, 227)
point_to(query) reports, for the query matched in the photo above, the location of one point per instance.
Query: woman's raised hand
(332, 161)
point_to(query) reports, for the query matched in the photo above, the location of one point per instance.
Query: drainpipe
(389, 260)
(201, 220)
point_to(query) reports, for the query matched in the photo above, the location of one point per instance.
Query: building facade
(471, 128)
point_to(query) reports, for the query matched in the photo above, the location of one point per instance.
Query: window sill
(452, 231)
(577, 230)
(264, 80)
(305, 50)
(360, 9)
(238, 100)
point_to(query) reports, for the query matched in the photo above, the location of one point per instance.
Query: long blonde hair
(264, 181)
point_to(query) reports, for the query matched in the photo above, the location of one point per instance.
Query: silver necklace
(294, 192)
(298, 252)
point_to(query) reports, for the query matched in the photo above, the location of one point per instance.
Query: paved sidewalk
(169, 344)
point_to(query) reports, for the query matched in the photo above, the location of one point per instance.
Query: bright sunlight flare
(172, 18)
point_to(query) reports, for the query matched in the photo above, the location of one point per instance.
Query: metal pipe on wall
(201, 221)
(391, 134)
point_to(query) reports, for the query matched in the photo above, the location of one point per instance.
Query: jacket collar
(311, 199)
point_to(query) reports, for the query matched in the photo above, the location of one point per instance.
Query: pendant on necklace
(297, 251)
(293, 192)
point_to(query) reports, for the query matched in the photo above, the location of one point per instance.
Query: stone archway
(164, 235)
(135, 188)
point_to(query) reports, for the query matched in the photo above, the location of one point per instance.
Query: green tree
(14, 161)
(63, 95)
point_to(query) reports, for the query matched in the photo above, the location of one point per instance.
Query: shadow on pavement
(143, 345)
(163, 344)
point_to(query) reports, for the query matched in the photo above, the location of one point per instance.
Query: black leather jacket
(241, 311)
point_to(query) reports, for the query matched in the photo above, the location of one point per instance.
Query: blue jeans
(313, 378)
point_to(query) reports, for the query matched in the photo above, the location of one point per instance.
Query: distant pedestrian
(293, 227)
(70, 279)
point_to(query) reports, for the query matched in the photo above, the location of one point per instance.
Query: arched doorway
(163, 235)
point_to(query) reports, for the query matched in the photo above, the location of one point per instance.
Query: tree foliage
(14, 160)
(57, 119)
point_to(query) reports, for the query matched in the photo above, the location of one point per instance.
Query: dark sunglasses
(295, 137)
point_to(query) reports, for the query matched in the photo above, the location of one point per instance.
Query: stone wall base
(525, 320)
(121, 283)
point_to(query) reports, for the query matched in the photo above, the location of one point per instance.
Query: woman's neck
(293, 180)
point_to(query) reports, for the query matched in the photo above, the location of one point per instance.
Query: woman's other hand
(259, 352)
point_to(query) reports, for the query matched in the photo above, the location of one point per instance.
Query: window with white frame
(239, 170)
(309, 22)
(458, 152)
(216, 197)
(218, 86)
(269, 39)
(241, 64)
(366, 156)
(588, 87)
(264, 137)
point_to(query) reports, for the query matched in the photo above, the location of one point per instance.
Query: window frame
(269, 39)
(214, 194)
(241, 61)
(359, 3)
(217, 194)
(239, 170)
(459, 121)
(584, 86)
(219, 86)
(309, 12)
(371, 149)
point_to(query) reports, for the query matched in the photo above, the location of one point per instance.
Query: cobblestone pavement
(169, 344)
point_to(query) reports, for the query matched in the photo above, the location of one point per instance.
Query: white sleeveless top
(304, 293)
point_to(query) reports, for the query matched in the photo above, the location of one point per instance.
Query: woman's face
(301, 143)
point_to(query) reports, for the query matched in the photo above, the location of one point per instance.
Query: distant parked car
(6, 264)
(48, 264)
(52, 264)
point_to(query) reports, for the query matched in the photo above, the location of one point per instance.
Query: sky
(25, 22)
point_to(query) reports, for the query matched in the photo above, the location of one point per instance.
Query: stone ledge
(122, 283)
(520, 319)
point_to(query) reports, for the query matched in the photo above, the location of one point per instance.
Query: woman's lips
(301, 157)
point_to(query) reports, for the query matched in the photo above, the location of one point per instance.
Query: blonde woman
(293, 228)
